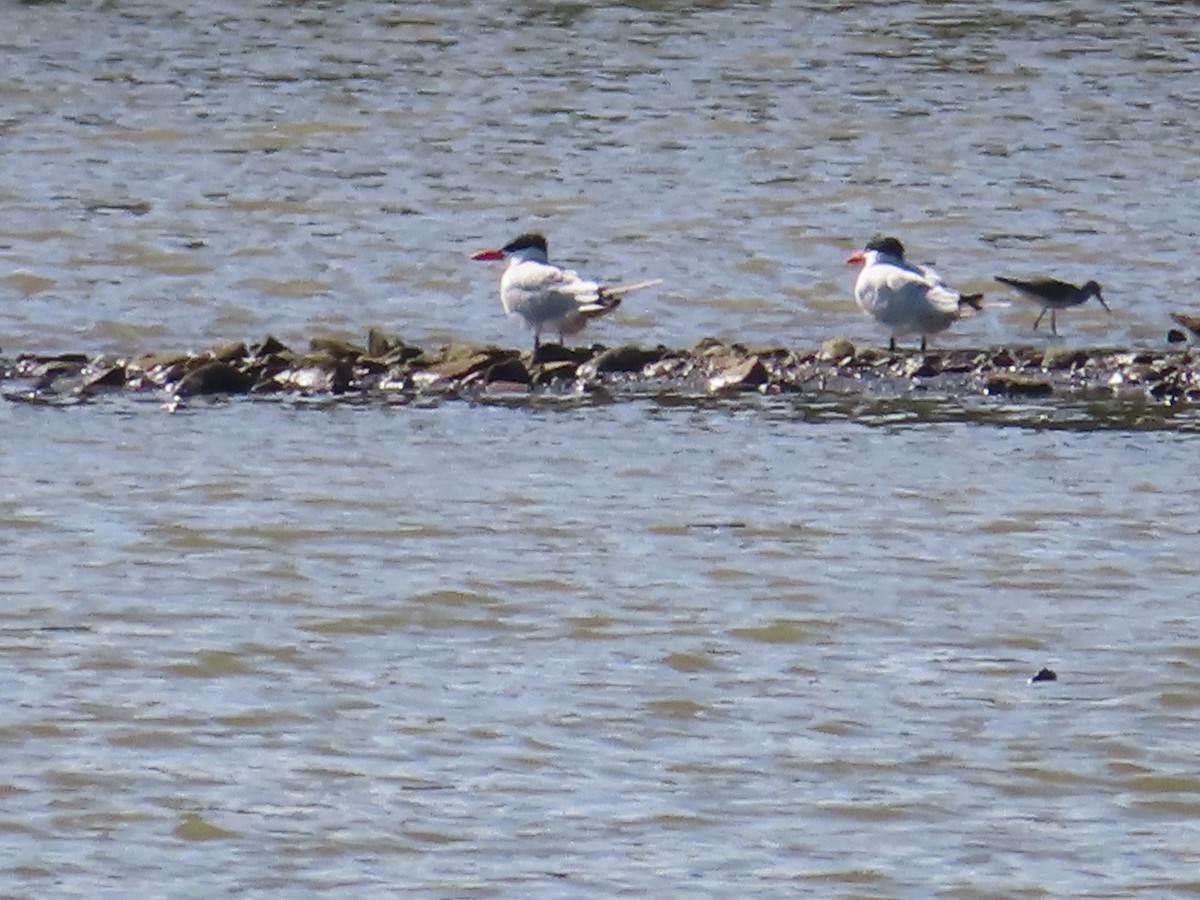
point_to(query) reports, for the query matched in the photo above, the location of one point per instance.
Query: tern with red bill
(1053, 295)
(548, 297)
(907, 298)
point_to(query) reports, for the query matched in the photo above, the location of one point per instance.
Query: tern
(548, 297)
(1053, 295)
(907, 298)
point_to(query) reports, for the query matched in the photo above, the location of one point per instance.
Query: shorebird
(547, 296)
(907, 298)
(1053, 295)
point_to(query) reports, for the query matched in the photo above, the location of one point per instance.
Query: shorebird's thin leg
(537, 340)
(1038, 320)
(892, 344)
(1054, 322)
(922, 343)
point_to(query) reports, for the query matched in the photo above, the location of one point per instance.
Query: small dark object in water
(1175, 336)
(1044, 675)
(1191, 323)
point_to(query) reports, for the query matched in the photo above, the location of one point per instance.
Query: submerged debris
(387, 364)
(1044, 675)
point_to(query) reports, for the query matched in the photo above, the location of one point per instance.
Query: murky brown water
(665, 647)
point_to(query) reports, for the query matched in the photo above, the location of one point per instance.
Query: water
(665, 647)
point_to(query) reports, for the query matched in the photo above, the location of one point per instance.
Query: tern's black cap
(889, 245)
(525, 242)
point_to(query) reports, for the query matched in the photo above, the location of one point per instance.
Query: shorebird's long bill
(858, 257)
(487, 255)
(1102, 303)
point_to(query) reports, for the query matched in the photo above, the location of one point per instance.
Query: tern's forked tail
(618, 291)
(975, 301)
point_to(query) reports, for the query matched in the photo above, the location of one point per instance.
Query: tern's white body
(548, 297)
(907, 299)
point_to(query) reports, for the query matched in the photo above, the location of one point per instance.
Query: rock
(380, 344)
(1175, 336)
(872, 356)
(563, 370)
(336, 348)
(710, 346)
(501, 387)
(460, 367)
(746, 375)
(837, 349)
(627, 358)
(269, 346)
(1044, 675)
(768, 351)
(510, 370)
(1064, 358)
(214, 378)
(670, 367)
(111, 377)
(1018, 386)
(461, 350)
(310, 380)
(923, 366)
(231, 352)
(29, 366)
(554, 353)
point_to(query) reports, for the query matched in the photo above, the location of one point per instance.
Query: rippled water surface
(662, 647)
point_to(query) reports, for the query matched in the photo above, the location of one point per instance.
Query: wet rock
(104, 378)
(670, 367)
(767, 351)
(1017, 386)
(627, 358)
(1175, 336)
(230, 353)
(748, 374)
(321, 379)
(555, 353)
(872, 356)
(214, 378)
(156, 370)
(1002, 359)
(460, 350)
(459, 367)
(509, 370)
(923, 366)
(380, 343)
(837, 349)
(336, 347)
(711, 346)
(1044, 675)
(1064, 358)
(50, 366)
(269, 346)
(547, 373)
(501, 387)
